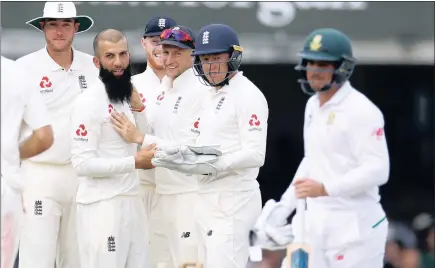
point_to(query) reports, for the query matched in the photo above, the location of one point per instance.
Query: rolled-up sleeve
(85, 133)
(369, 148)
(253, 115)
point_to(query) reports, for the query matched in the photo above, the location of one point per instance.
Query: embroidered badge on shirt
(331, 118)
(219, 105)
(177, 105)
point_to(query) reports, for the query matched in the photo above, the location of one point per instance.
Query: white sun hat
(62, 10)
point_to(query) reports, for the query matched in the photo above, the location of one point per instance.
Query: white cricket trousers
(49, 233)
(346, 239)
(173, 235)
(112, 233)
(11, 218)
(223, 222)
(148, 199)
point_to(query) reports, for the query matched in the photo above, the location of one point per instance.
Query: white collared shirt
(102, 159)
(345, 149)
(59, 89)
(148, 85)
(235, 117)
(19, 104)
(175, 123)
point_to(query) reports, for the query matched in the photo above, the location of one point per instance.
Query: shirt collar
(75, 66)
(340, 95)
(183, 79)
(149, 72)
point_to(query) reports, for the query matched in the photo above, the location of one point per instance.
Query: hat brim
(210, 52)
(318, 56)
(152, 34)
(86, 22)
(174, 43)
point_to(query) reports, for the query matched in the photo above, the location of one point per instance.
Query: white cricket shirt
(103, 160)
(175, 122)
(345, 149)
(149, 87)
(59, 89)
(19, 103)
(235, 117)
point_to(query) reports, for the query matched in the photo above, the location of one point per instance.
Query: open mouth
(118, 72)
(157, 55)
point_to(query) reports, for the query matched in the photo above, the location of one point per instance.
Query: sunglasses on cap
(178, 35)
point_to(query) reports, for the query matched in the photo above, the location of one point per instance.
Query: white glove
(274, 213)
(271, 230)
(188, 159)
(206, 149)
(196, 149)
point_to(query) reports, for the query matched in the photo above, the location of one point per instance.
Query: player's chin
(172, 72)
(215, 78)
(317, 86)
(158, 64)
(59, 45)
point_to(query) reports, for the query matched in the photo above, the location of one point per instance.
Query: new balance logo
(38, 208)
(162, 23)
(185, 235)
(111, 247)
(210, 232)
(205, 37)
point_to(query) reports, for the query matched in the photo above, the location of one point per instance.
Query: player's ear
(96, 62)
(76, 26)
(142, 41)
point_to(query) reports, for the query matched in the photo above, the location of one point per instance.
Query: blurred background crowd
(394, 45)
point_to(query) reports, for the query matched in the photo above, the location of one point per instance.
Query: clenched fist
(143, 157)
(305, 187)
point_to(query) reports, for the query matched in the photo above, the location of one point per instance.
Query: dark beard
(119, 89)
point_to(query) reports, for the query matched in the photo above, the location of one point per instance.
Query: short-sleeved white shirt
(59, 89)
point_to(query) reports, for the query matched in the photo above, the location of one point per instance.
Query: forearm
(142, 123)
(370, 174)
(288, 199)
(103, 167)
(242, 159)
(33, 146)
(160, 143)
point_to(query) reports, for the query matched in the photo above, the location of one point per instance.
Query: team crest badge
(316, 43)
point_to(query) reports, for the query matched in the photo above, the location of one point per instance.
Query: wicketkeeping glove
(189, 159)
(271, 230)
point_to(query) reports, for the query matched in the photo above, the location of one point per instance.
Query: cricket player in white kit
(149, 88)
(111, 220)
(173, 238)
(234, 118)
(20, 103)
(346, 161)
(48, 234)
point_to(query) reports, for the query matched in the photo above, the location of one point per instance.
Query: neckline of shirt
(75, 65)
